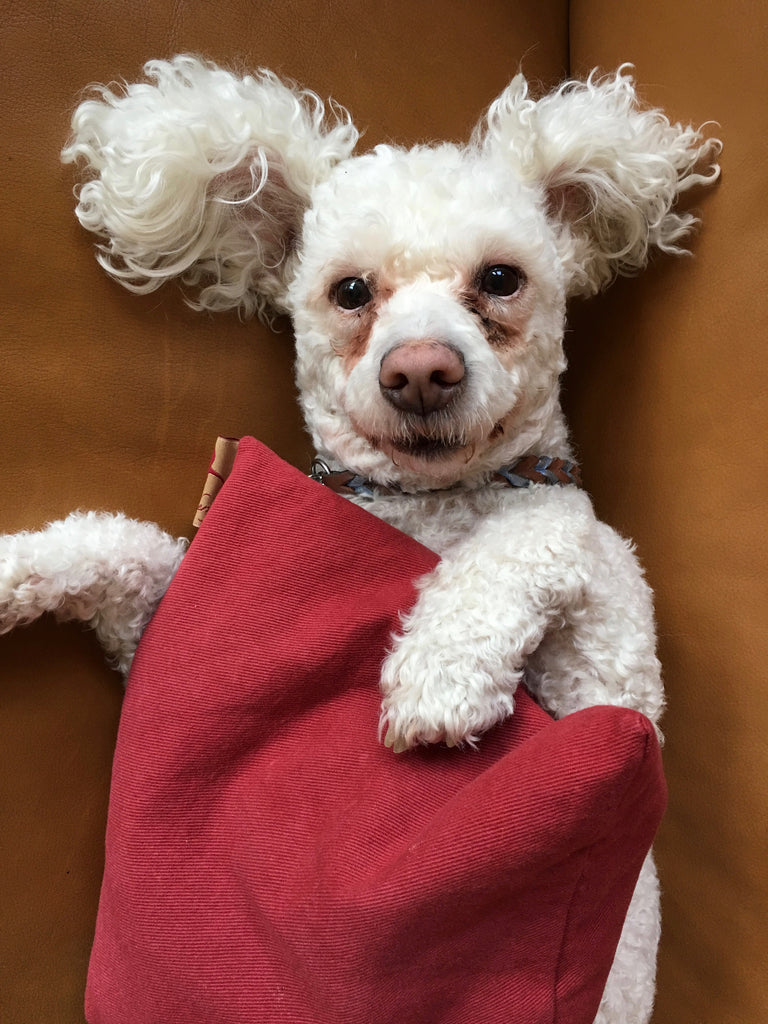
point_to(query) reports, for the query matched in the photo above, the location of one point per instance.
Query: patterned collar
(530, 469)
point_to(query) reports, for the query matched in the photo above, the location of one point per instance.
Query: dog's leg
(104, 570)
(479, 616)
(450, 676)
(539, 590)
(605, 649)
(629, 992)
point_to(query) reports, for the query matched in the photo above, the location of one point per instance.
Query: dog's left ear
(610, 170)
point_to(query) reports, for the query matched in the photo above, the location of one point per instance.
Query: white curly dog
(427, 289)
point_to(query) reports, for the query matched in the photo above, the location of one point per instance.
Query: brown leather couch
(112, 401)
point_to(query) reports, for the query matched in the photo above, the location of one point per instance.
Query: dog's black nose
(421, 377)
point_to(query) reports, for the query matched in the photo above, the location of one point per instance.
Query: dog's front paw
(434, 695)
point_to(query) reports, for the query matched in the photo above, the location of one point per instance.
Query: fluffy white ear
(199, 174)
(611, 170)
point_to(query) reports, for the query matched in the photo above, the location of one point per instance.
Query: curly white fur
(104, 570)
(244, 189)
(203, 175)
(612, 169)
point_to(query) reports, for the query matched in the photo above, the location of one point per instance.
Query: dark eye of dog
(352, 293)
(501, 280)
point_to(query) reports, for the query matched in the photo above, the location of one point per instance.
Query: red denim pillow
(269, 861)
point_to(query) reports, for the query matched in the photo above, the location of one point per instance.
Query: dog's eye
(501, 280)
(352, 293)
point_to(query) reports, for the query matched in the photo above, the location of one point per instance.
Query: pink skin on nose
(421, 377)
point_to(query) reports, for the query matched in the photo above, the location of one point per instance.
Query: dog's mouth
(416, 447)
(428, 448)
(436, 447)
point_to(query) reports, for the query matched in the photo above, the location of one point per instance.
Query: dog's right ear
(199, 174)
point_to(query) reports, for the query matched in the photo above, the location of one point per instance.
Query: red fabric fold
(269, 861)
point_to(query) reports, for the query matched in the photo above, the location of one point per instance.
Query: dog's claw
(394, 742)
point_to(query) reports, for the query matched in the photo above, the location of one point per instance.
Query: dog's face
(428, 302)
(427, 287)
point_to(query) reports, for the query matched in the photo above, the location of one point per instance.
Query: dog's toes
(404, 725)
(404, 732)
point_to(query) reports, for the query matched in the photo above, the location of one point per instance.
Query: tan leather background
(108, 400)
(669, 402)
